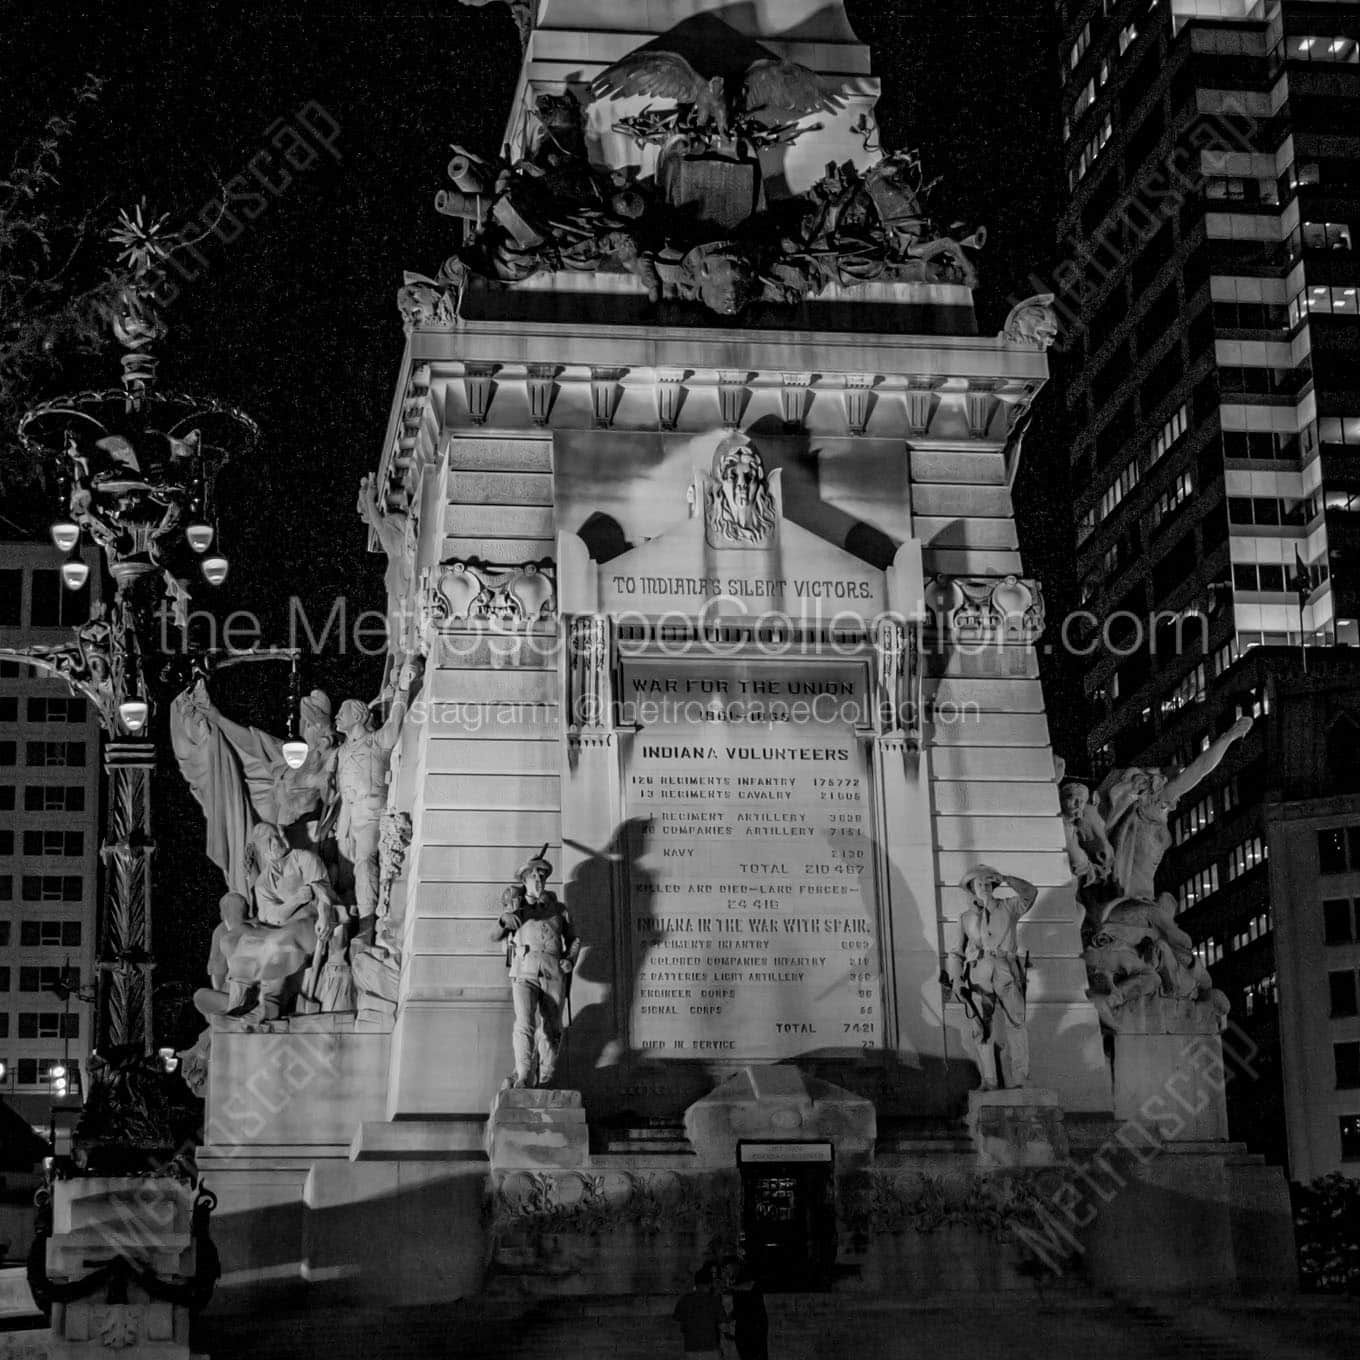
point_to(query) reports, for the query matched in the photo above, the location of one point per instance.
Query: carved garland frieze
(980, 606)
(469, 591)
(1002, 1205)
(1005, 1205)
(589, 1202)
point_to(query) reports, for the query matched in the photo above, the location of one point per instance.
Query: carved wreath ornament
(469, 591)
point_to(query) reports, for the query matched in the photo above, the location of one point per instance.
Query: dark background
(294, 320)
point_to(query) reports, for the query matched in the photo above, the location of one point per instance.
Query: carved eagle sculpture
(705, 63)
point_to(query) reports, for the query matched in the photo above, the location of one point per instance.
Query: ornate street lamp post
(138, 469)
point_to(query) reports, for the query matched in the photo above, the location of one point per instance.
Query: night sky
(295, 321)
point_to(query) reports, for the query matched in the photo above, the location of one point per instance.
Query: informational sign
(748, 1152)
(752, 906)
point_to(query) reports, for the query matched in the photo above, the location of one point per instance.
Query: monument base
(1018, 1127)
(319, 1191)
(533, 1130)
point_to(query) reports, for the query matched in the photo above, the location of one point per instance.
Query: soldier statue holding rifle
(541, 950)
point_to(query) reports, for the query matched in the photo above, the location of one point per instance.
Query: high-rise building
(1211, 283)
(49, 840)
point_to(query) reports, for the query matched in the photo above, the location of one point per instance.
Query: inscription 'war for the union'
(745, 753)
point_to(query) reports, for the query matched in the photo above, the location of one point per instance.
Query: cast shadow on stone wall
(804, 499)
(926, 1076)
(604, 537)
(600, 1060)
(927, 1079)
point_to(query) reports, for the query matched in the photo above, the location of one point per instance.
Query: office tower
(1210, 281)
(49, 839)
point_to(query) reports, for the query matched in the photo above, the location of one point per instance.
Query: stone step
(497, 551)
(500, 455)
(1063, 1319)
(500, 489)
(488, 520)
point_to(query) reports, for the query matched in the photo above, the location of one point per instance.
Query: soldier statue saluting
(540, 953)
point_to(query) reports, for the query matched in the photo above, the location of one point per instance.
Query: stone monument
(702, 474)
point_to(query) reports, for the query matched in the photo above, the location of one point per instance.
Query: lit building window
(1324, 300)
(1322, 49)
(1194, 819)
(1198, 886)
(1326, 235)
(1190, 690)
(1090, 151)
(1085, 99)
(1078, 48)
(1172, 498)
(1170, 433)
(1339, 430)
(1246, 856)
(1225, 656)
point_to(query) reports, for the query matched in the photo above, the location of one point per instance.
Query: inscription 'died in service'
(752, 910)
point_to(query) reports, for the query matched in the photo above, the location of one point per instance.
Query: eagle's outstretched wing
(666, 75)
(786, 87)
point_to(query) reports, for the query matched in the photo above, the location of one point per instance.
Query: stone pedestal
(146, 1222)
(1168, 1070)
(533, 1130)
(1020, 1127)
(779, 1102)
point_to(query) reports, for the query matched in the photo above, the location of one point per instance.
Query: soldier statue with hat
(541, 949)
(988, 975)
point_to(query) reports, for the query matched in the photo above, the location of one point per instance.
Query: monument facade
(712, 637)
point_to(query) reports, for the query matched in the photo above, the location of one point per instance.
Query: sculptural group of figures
(1136, 955)
(303, 920)
(1116, 838)
(703, 227)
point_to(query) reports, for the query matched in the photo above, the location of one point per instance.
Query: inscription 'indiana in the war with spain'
(753, 915)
